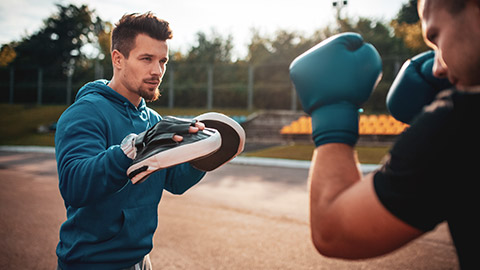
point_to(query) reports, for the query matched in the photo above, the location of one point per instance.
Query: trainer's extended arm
(333, 79)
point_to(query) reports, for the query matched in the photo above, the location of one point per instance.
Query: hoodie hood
(100, 87)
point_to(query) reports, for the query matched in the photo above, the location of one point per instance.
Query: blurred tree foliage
(7, 55)
(75, 39)
(408, 27)
(60, 40)
(67, 43)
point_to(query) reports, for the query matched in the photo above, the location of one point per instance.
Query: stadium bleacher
(373, 124)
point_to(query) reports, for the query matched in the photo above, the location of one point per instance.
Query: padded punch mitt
(156, 149)
(233, 140)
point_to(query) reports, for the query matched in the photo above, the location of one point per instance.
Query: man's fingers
(198, 126)
(177, 138)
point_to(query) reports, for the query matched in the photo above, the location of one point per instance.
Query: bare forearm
(334, 169)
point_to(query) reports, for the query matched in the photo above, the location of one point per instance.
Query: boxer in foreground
(431, 173)
(115, 156)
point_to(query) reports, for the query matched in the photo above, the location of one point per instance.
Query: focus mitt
(233, 140)
(156, 149)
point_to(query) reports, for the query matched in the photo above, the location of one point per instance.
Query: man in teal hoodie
(111, 222)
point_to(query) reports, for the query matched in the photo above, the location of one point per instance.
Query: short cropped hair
(130, 25)
(452, 6)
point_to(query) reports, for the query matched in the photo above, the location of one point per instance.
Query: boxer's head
(139, 56)
(452, 29)
(129, 26)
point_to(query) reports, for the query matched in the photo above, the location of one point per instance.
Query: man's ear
(117, 59)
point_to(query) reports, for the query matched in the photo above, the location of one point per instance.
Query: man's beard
(148, 95)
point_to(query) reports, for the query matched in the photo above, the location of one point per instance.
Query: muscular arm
(347, 219)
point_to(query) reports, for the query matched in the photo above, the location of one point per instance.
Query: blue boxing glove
(414, 87)
(333, 79)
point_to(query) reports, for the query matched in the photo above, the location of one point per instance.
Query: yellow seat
(372, 124)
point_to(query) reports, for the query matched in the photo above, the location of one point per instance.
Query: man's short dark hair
(452, 6)
(130, 25)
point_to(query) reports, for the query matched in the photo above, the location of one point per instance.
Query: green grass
(366, 155)
(20, 123)
(197, 111)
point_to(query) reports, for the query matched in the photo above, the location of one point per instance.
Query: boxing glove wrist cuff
(335, 123)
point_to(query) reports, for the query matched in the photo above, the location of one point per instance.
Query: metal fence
(237, 85)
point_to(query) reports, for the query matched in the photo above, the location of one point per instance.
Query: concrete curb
(288, 163)
(252, 161)
(28, 149)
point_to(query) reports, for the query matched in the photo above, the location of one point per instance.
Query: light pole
(339, 5)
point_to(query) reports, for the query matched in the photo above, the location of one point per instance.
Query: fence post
(210, 87)
(98, 70)
(70, 70)
(171, 88)
(396, 66)
(69, 88)
(12, 82)
(250, 88)
(293, 106)
(39, 86)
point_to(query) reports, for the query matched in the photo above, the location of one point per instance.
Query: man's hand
(193, 129)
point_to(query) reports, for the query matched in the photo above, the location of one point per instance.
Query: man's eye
(147, 59)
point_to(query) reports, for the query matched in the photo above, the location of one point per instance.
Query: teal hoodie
(110, 222)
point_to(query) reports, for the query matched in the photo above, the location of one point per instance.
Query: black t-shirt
(432, 173)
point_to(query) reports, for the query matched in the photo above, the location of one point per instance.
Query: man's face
(143, 70)
(456, 40)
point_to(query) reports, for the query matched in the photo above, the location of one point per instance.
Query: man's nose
(439, 66)
(157, 69)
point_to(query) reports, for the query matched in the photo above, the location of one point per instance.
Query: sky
(20, 18)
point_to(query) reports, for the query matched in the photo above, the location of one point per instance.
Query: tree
(65, 44)
(211, 49)
(408, 13)
(411, 34)
(7, 55)
(59, 41)
(408, 27)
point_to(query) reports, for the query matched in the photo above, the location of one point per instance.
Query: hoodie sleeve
(88, 169)
(182, 177)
